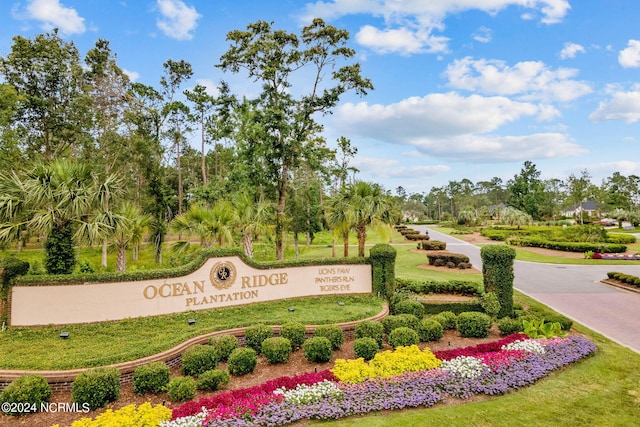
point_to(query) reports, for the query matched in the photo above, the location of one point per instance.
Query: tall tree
(53, 113)
(271, 58)
(369, 205)
(579, 190)
(526, 190)
(203, 104)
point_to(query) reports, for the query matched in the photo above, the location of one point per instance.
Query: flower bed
(598, 255)
(492, 369)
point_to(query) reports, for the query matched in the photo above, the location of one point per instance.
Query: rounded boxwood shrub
(403, 336)
(447, 319)
(508, 326)
(96, 387)
(254, 335)
(223, 345)
(409, 306)
(198, 359)
(472, 324)
(28, 392)
(151, 378)
(333, 332)
(317, 349)
(365, 347)
(370, 329)
(242, 361)
(399, 320)
(294, 332)
(181, 389)
(429, 330)
(213, 380)
(276, 349)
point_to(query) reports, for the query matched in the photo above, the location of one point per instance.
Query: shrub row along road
(572, 290)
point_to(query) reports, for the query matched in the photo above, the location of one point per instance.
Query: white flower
(464, 366)
(527, 345)
(309, 393)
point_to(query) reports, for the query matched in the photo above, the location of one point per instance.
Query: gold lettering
(245, 282)
(198, 286)
(146, 292)
(161, 292)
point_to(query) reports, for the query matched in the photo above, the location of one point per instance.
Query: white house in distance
(589, 207)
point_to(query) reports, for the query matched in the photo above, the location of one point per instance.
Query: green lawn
(524, 255)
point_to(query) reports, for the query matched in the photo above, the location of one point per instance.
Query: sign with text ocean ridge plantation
(220, 282)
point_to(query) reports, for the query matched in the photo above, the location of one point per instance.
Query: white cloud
(413, 22)
(622, 106)
(133, 75)
(209, 85)
(389, 168)
(625, 167)
(54, 15)
(630, 57)
(403, 40)
(455, 127)
(178, 20)
(570, 50)
(529, 80)
(483, 35)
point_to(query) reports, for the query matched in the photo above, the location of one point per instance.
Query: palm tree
(128, 230)
(252, 218)
(212, 225)
(369, 205)
(61, 199)
(340, 219)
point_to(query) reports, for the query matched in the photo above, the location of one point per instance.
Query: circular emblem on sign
(222, 275)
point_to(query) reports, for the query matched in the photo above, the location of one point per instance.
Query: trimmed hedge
(457, 287)
(365, 347)
(276, 349)
(432, 245)
(497, 273)
(440, 259)
(242, 361)
(294, 332)
(181, 389)
(447, 319)
(254, 335)
(12, 267)
(568, 246)
(213, 380)
(624, 278)
(96, 387)
(429, 330)
(370, 329)
(424, 237)
(223, 345)
(383, 260)
(409, 306)
(474, 325)
(625, 239)
(399, 320)
(317, 349)
(333, 333)
(198, 359)
(454, 307)
(151, 378)
(404, 337)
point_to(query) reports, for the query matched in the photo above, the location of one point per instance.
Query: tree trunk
(136, 250)
(247, 244)
(121, 262)
(104, 253)
(179, 178)
(345, 243)
(202, 153)
(362, 237)
(295, 244)
(282, 199)
(333, 247)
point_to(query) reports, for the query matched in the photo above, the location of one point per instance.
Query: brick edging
(621, 285)
(62, 380)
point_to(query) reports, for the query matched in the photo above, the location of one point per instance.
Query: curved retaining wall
(62, 380)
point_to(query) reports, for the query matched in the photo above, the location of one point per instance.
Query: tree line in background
(617, 196)
(89, 157)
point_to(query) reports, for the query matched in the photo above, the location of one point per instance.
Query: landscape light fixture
(64, 335)
(191, 321)
(292, 309)
(340, 303)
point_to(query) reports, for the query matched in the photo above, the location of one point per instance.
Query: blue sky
(463, 88)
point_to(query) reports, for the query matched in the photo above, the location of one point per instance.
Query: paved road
(572, 290)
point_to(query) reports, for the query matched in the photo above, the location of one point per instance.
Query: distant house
(589, 207)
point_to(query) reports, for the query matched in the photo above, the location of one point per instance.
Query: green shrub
(409, 307)
(12, 267)
(254, 335)
(497, 273)
(317, 349)
(151, 378)
(569, 246)
(27, 392)
(276, 349)
(223, 346)
(181, 389)
(365, 347)
(403, 336)
(399, 320)
(370, 329)
(447, 319)
(564, 322)
(294, 332)
(432, 245)
(383, 259)
(490, 304)
(541, 329)
(213, 380)
(332, 332)
(242, 361)
(429, 330)
(508, 326)
(198, 359)
(450, 257)
(474, 325)
(96, 387)
(458, 287)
